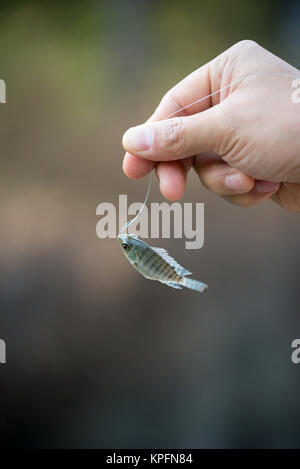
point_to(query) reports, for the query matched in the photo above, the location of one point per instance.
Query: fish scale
(156, 264)
(152, 263)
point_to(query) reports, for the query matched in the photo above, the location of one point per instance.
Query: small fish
(156, 264)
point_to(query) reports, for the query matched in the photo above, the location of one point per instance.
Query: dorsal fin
(170, 260)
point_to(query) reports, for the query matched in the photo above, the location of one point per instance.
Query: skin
(243, 143)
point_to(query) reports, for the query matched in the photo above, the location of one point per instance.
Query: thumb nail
(235, 182)
(138, 138)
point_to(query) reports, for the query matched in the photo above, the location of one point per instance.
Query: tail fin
(193, 284)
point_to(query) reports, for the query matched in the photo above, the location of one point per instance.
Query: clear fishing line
(145, 201)
(228, 86)
(192, 104)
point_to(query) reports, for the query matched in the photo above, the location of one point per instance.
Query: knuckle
(173, 136)
(245, 45)
(229, 123)
(230, 118)
(166, 99)
(165, 103)
(169, 100)
(243, 49)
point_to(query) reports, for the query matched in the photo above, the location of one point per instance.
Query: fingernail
(138, 138)
(266, 186)
(235, 183)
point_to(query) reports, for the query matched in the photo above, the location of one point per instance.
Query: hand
(244, 142)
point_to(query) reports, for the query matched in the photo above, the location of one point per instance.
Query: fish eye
(125, 246)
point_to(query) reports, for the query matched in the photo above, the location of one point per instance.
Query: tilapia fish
(156, 264)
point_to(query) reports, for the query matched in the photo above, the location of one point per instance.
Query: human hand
(244, 142)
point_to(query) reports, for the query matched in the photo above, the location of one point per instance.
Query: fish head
(124, 241)
(129, 244)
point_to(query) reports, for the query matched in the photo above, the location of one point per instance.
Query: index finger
(195, 86)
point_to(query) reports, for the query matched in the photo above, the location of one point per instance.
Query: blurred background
(97, 356)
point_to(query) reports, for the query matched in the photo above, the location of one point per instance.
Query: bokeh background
(97, 355)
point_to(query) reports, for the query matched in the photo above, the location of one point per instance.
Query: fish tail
(193, 284)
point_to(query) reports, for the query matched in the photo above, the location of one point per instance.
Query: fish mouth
(122, 238)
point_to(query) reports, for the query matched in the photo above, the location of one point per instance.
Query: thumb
(176, 138)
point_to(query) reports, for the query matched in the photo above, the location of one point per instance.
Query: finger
(288, 197)
(192, 93)
(262, 190)
(221, 178)
(195, 86)
(187, 163)
(172, 179)
(135, 167)
(176, 138)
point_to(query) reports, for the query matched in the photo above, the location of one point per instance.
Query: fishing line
(228, 86)
(145, 201)
(192, 104)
